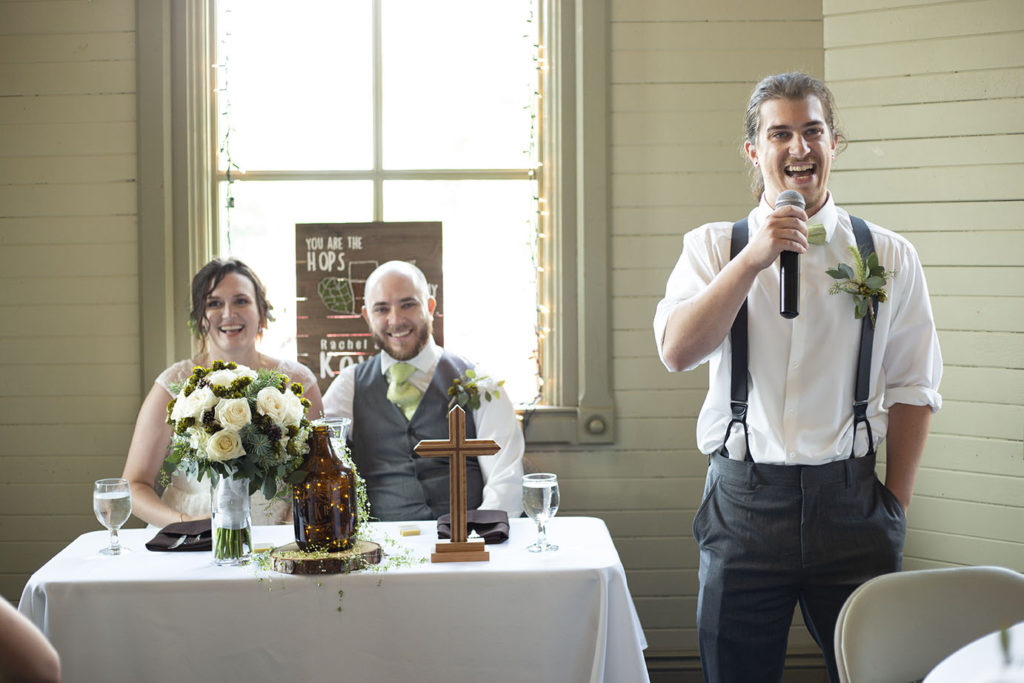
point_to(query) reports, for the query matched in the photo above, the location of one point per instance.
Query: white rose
(222, 378)
(204, 398)
(194, 404)
(294, 409)
(224, 445)
(181, 408)
(245, 371)
(272, 403)
(233, 413)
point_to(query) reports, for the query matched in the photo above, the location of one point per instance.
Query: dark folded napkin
(491, 525)
(183, 537)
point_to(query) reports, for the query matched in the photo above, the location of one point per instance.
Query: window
(388, 110)
(177, 208)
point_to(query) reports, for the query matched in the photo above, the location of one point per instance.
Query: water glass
(540, 501)
(112, 503)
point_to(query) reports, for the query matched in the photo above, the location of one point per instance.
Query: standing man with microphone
(793, 512)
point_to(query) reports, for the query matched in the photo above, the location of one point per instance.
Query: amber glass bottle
(324, 503)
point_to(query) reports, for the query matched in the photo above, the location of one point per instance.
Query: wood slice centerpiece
(288, 559)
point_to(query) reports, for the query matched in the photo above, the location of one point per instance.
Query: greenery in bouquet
(232, 421)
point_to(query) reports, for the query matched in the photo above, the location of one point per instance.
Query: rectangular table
(565, 616)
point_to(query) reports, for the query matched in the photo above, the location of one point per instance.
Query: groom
(400, 396)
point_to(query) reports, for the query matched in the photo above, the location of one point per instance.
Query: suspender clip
(860, 410)
(739, 410)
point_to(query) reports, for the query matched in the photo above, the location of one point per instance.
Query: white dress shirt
(495, 420)
(802, 369)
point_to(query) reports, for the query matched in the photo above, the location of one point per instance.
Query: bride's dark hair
(207, 279)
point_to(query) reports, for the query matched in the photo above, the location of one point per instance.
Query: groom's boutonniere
(865, 282)
(466, 390)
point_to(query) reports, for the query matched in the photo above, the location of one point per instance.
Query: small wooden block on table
(460, 552)
(288, 559)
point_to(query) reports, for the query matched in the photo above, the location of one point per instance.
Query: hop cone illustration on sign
(336, 293)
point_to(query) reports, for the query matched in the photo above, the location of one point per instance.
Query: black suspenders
(741, 354)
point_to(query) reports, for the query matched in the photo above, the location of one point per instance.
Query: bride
(229, 314)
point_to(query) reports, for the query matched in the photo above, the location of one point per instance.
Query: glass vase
(324, 503)
(230, 520)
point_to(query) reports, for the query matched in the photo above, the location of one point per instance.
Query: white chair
(897, 627)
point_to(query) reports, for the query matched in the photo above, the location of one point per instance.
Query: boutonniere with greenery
(467, 389)
(865, 282)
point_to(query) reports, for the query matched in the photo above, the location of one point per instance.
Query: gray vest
(401, 485)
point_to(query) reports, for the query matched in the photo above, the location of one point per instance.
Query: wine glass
(112, 503)
(540, 501)
(337, 429)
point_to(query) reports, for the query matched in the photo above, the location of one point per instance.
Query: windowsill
(567, 425)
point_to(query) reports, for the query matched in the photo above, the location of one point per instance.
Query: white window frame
(176, 203)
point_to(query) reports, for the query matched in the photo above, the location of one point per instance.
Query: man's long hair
(790, 86)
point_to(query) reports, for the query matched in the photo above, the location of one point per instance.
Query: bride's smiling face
(232, 315)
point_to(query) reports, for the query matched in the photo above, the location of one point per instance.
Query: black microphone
(789, 263)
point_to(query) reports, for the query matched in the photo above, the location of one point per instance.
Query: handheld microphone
(789, 263)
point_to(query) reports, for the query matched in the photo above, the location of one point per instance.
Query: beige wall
(69, 344)
(931, 95)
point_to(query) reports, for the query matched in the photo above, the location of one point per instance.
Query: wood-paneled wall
(930, 94)
(69, 345)
(932, 97)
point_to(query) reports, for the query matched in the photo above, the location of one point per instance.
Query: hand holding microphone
(789, 263)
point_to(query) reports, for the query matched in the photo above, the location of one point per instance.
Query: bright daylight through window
(388, 110)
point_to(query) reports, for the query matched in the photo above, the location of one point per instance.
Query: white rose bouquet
(232, 421)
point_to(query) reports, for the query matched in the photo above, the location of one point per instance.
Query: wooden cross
(457, 448)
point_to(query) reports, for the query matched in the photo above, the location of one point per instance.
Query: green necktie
(400, 391)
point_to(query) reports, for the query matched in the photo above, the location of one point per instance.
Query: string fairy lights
(223, 93)
(540, 218)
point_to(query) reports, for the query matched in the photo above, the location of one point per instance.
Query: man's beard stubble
(422, 335)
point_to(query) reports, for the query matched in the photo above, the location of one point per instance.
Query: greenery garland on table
(393, 555)
(393, 559)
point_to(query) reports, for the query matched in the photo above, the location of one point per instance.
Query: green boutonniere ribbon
(816, 234)
(865, 282)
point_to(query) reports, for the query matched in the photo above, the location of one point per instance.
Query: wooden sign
(457, 448)
(332, 262)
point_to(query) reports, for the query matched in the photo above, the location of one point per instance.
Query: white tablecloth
(982, 661)
(563, 617)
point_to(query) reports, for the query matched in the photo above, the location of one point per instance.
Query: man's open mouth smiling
(802, 170)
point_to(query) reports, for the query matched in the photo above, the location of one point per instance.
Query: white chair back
(897, 627)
